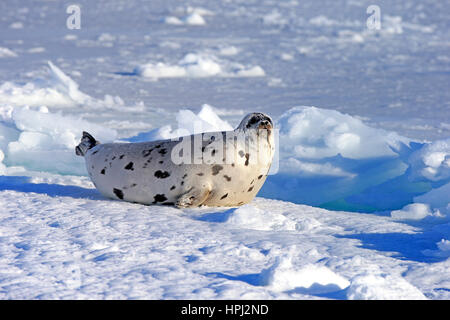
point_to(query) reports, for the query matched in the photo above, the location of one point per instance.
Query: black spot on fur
(147, 152)
(250, 189)
(253, 120)
(94, 152)
(114, 157)
(185, 175)
(224, 196)
(227, 177)
(158, 146)
(118, 193)
(162, 151)
(241, 153)
(182, 182)
(252, 181)
(103, 171)
(159, 198)
(247, 156)
(213, 152)
(168, 204)
(162, 174)
(161, 162)
(215, 169)
(232, 164)
(129, 166)
(260, 176)
(200, 174)
(203, 149)
(173, 187)
(121, 157)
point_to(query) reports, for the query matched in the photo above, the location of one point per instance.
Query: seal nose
(265, 124)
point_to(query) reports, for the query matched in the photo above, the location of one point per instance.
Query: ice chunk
(432, 162)
(194, 19)
(173, 20)
(335, 160)
(43, 141)
(309, 132)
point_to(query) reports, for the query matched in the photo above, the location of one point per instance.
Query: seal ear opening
(87, 142)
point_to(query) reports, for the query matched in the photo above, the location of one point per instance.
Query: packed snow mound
(39, 140)
(284, 276)
(194, 16)
(251, 217)
(56, 91)
(382, 287)
(7, 53)
(198, 65)
(413, 211)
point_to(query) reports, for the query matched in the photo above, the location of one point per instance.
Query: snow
(284, 276)
(379, 287)
(357, 208)
(250, 217)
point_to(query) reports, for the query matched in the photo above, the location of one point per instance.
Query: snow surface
(357, 208)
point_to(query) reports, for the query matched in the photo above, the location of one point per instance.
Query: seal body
(214, 169)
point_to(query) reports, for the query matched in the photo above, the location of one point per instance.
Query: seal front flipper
(194, 197)
(87, 142)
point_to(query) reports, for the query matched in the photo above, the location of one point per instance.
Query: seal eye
(252, 121)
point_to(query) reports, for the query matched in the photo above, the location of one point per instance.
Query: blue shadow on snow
(404, 246)
(23, 184)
